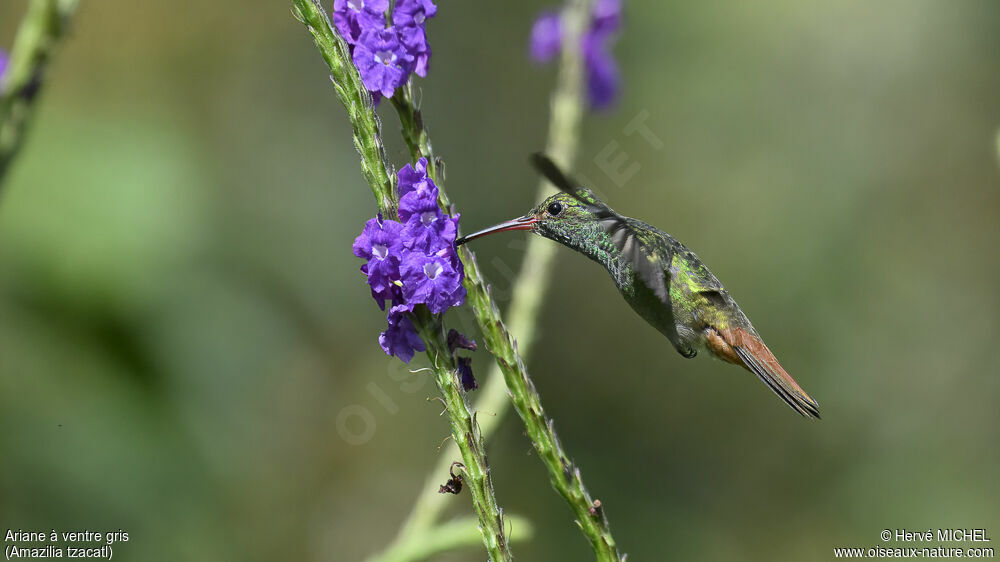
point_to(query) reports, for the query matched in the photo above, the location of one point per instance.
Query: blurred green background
(182, 321)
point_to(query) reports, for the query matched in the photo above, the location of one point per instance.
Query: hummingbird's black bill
(523, 223)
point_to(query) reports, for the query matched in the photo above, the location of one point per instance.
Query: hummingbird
(660, 278)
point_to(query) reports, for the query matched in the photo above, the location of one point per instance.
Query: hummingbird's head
(565, 217)
(559, 217)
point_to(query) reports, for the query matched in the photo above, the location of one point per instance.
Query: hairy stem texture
(566, 111)
(40, 31)
(367, 139)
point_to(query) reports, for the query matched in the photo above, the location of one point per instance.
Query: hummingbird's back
(689, 305)
(670, 287)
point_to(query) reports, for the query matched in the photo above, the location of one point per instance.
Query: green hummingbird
(659, 277)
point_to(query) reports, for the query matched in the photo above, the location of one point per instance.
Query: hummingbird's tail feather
(782, 384)
(758, 359)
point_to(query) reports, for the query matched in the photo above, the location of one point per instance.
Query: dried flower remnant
(454, 484)
(456, 340)
(465, 374)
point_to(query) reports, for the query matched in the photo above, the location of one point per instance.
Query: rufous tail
(742, 347)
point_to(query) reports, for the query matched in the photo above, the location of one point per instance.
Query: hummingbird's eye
(555, 208)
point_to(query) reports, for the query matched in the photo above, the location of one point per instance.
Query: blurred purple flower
(354, 17)
(431, 280)
(381, 245)
(607, 16)
(3, 63)
(400, 339)
(546, 36)
(603, 81)
(382, 60)
(602, 71)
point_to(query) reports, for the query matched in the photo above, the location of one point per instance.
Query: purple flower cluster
(385, 54)
(602, 71)
(413, 260)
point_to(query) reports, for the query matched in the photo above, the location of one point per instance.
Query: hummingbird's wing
(632, 238)
(650, 252)
(553, 173)
(639, 243)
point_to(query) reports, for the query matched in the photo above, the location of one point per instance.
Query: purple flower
(607, 16)
(414, 38)
(417, 202)
(457, 340)
(408, 16)
(385, 55)
(3, 63)
(601, 70)
(431, 280)
(381, 245)
(414, 263)
(413, 12)
(546, 36)
(401, 338)
(414, 178)
(427, 229)
(465, 373)
(354, 17)
(383, 60)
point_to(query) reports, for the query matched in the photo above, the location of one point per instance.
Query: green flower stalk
(43, 26)
(532, 281)
(566, 110)
(367, 138)
(564, 476)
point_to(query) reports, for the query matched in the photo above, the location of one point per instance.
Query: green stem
(466, 433)
(41, 29)
(367, 139)
(567, 103)
(417, 139)
(563, 475)
(356, 99)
